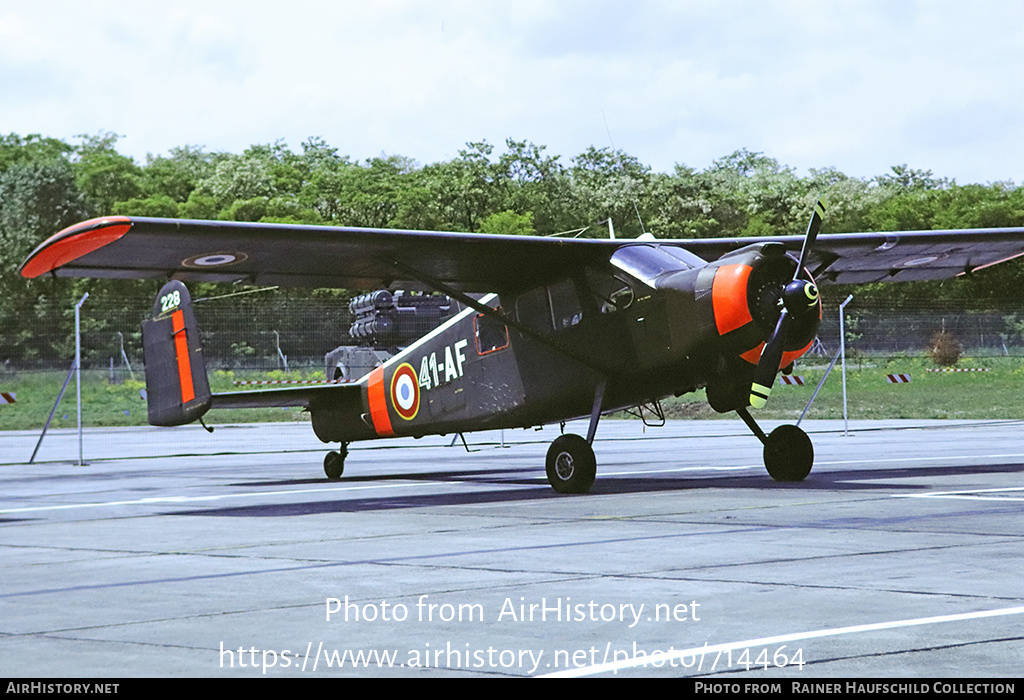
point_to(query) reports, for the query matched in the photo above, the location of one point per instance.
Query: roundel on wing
(214, 259)
(405, 392)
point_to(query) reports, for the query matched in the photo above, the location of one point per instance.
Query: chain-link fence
(280, 336)
(911, 332)
(262, 332)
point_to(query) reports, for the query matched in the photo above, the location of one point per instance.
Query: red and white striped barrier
(960, 369)
(792, 379)
(7, 397)
(898, 378)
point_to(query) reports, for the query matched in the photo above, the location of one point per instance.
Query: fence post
(78, 370)
(842, 349)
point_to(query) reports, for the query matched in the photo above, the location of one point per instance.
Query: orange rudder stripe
(188, 392)
(378, 403)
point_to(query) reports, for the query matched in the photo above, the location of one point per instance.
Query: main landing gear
(334, 462)
(571, 464)
(788, 452)
(572, 467)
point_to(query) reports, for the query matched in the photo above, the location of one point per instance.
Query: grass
(105, 404)
(973, 395)
(970, 395)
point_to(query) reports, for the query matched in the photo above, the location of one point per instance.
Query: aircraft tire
(571, 464)
(334, 463)
(788, 454)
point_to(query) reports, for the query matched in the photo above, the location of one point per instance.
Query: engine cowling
(748, 289)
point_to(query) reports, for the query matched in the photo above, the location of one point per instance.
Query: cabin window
(533, 310)
(491, 334)
(565, 305)
(552, 308)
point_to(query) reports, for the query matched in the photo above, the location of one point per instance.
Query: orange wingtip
(74, 242)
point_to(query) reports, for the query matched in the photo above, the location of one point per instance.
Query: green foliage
(104, 175)
(31, 149)
(177, 174)
(37, 199)
(517, 188)
(160, 205)
(509, 223)
(930, 395)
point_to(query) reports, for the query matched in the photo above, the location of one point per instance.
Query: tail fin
(177, 388)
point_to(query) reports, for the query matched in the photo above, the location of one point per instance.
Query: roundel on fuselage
(405, 392)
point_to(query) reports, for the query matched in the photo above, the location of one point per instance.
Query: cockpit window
(647, 263)
(610, 292)
(691, 259)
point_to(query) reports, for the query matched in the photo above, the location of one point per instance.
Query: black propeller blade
(798, 296)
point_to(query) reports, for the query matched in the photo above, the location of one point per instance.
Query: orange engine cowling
(746, 295)
(746, 289)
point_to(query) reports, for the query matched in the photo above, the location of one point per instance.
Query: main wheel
(334, 463)
(788, 454)
(571, 465)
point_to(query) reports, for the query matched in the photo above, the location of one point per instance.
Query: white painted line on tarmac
(944, 457)
(698, 655)
(973, 494)
(196, 499)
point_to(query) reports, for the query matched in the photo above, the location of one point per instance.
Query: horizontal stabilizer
(311, 396)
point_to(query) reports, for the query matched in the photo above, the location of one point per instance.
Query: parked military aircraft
(564, 328)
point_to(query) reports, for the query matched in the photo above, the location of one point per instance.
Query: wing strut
(503, 317)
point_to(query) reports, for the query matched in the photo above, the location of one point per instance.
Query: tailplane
(177, 387)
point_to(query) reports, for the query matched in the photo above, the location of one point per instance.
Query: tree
(104, 175)
(32, 149)
(611, 184)
(904, 178)
(509, 223)
(466, 189)
(237, 178)
(538, 185)
(177, 174)
(770, 195)
(36, 201)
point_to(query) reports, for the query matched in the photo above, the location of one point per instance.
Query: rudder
(177, 388)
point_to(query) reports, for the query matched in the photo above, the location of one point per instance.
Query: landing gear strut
(334, 462)
(788, 452)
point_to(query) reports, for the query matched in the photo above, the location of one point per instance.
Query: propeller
(798, 296)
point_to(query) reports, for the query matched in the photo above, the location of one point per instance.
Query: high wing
(313, 256)
(860, 258)
(334, 256)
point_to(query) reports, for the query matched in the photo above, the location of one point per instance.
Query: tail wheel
(788, 454)
(571, 465)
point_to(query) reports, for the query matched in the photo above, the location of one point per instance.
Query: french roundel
(405, 392)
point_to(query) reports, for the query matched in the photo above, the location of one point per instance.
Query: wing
(859, 258)
(315, 256)
(334, 256)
